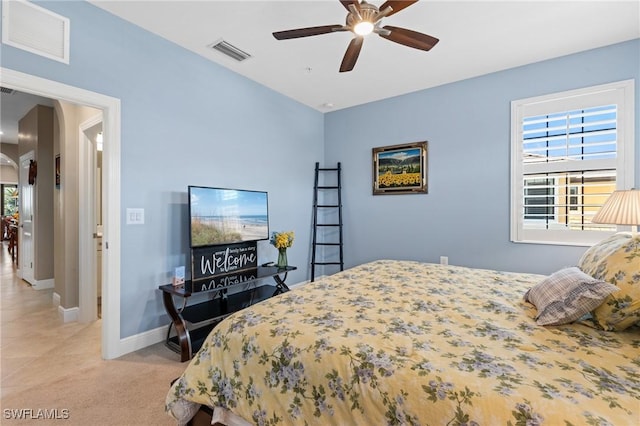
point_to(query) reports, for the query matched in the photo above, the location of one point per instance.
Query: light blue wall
(185, 121)
(188, 121)
(465, 216)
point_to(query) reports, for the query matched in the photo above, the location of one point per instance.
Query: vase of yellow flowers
(282, 241)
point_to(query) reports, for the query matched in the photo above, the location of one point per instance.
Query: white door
(26, 211)
(90, 229)
(98, 216)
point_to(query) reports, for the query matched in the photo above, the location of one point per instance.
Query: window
(570, 151)
(573, 198)
(9, 199)
(538, 200)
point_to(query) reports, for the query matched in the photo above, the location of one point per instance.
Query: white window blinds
(566, 161)
(566, 172)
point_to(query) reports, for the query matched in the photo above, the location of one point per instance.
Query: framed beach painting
(400, 169)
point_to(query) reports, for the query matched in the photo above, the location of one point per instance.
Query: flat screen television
(226, 216)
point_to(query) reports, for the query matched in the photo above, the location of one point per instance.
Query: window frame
(620, 93)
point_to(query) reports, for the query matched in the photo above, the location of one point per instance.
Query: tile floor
(30, 328)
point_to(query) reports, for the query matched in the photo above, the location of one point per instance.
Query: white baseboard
(300, 284)
(68, 314)
(142, 340)
(65, 314)
(43, 284)
(159, 334)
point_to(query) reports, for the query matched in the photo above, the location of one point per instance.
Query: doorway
(112, 346)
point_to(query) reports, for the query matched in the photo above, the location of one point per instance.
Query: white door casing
(112, 345)
(26, 223)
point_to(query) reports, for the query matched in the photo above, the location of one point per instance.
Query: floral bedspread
(408, 343)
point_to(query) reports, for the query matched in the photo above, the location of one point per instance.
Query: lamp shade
(622, 208)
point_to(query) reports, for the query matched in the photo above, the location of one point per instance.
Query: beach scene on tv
(225, 216)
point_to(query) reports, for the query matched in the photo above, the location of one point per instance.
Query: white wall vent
(230, 50)
(35, 29)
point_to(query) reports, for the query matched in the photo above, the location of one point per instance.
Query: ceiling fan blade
(396, 6)
(346, 4)
(409, 38)
(351, 55)
(306, 32)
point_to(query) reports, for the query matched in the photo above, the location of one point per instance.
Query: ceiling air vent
(35, 29)
(6, 90)
(230, 50)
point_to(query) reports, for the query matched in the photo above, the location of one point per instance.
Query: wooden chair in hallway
(6, 221)
(13, 242)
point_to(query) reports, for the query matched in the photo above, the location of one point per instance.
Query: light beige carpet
(126, 391)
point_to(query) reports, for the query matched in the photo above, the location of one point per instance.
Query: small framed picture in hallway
(58, 170)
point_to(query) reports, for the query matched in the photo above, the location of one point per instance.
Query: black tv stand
(193, 323)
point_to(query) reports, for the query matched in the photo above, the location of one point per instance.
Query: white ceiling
(476, 37)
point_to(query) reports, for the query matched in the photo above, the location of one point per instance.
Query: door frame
(112, 345)
(87, 293)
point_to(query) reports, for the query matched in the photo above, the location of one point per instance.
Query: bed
(407, 343)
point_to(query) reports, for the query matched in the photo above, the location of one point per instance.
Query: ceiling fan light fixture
(363, 28)
(363, 19)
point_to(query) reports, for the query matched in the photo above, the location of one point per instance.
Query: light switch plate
(135, 216)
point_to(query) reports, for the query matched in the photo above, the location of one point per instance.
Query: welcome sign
(223, 281)
(214, 261)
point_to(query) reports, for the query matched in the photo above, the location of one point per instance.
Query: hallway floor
(31, 328)
(47, 364)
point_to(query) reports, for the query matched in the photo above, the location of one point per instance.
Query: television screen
(227, 216)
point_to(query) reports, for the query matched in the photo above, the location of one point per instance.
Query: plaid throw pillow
(567, 295)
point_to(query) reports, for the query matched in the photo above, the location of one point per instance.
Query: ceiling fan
(364, 18)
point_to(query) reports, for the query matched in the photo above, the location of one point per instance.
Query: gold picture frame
(400, 169)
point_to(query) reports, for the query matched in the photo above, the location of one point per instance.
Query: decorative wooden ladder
(332, 192)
